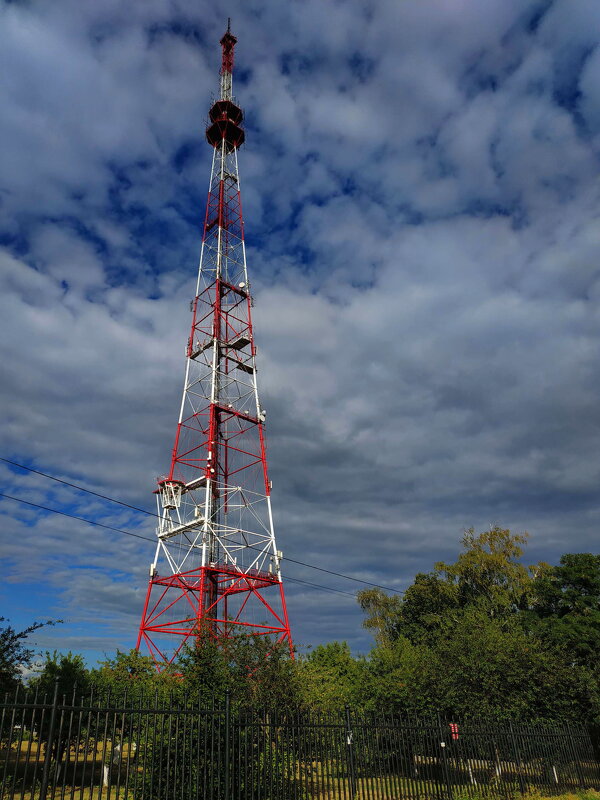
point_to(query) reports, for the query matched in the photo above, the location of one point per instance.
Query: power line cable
(152, 514)
(341, 575)
(76, 486)
(320, 586)
(74, 516)
(146, 538)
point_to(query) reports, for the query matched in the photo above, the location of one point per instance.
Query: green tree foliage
(477, 666)
(331, 677)
(15, 655)
(263, 673)
(488, 635)
(205, 670)
(68, 669)
(567, 607)
(67, 672)
(487, 573)
(132, 674)
(384, 614)
(262, 681)
(257, 671)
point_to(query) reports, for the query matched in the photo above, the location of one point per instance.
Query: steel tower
(217, 569)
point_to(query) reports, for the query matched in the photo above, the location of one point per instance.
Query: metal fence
(150, 749)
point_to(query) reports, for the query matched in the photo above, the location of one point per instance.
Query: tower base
(218, 600)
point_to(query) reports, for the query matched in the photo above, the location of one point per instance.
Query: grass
(366, 789)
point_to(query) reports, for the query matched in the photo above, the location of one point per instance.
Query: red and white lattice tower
(217, 568)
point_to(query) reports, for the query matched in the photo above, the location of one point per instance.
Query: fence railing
(151, 749)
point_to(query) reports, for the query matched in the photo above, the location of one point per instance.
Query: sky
(421, 203)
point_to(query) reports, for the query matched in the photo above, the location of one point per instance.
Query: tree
(258, 672)
(566, 610)
(263, 674)
(69, 673)
(488, 635)
(133, 674)
(384, 614)
(331, 677)
(205, 670)
(573, 587)
(487, 666)
(14, 653)
(68, 670)
(487, 573)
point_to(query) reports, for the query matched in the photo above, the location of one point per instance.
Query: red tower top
(225, 116)
(228, 42)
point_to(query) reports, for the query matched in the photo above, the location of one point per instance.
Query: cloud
(421, 217)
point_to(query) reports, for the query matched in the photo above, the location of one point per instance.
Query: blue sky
(421, 198)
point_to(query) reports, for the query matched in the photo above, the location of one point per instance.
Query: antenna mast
(217, 570)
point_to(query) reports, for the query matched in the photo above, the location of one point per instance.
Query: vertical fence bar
(241, 742)
(86, 745)
(58, 741)
(392, 764)
(350, 752)
(373, 746)
(19, 743)
(203, 730)
(77, 745)
(323, 761)
(175, 790)
(168, 790)
(11, 725)
(144, 740)
(587, 751)
(307, 748)
(445, 788)
(517, 756)
(210, 769)
(243, 748)
(303, 733)
(131, 749)
(570, 742)
(49, 744)
(391, 755)
(227, 775)
(188, 752)
(67, 752)
(30, 748)
(104, 744)
(4, 708)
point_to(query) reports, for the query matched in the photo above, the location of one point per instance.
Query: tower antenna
(217, 570)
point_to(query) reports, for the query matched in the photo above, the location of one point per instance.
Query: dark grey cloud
(421, 204)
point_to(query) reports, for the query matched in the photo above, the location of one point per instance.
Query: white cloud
(421, 212)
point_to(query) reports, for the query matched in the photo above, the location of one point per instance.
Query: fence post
(570, 733)
(227, 742)
(445, 760)
(49, 743)
(517, 755)
(349, 737)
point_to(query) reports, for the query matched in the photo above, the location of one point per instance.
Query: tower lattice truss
(217, 570)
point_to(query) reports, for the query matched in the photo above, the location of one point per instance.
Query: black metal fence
(149, 749)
